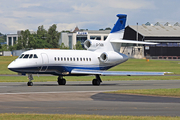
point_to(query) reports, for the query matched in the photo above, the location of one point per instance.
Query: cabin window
(84, 59)
(61, 59)
(77, 59)
(26, 56)
(64, 59)
(71, 59)
(55, 58)
(67, 59)
(21, 56)
(58, 58)
(31, 56)
(74, 59)
(80, 59)
(89, 59)
(35, 56)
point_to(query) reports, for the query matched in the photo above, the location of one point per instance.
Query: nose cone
(13, 66)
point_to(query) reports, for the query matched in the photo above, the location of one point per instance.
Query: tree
(32, 41)
(19, 44)
(62, 46)
(4, 47)
(41, 39)
(22, 42)
(108, 28)
(53, 37)
(11, 48)
(79, 46)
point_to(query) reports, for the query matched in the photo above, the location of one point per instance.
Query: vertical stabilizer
(120, 24)
(117, 32)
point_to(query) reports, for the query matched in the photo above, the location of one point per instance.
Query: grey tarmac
(83, 98)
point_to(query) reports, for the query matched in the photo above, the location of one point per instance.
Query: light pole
(137, 33)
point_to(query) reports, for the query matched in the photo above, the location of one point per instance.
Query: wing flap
(115, 73)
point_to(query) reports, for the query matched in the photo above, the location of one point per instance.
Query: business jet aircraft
(99, 57)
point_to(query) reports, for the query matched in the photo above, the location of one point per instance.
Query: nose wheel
(30, 77)
(61, 81)
(30, 84)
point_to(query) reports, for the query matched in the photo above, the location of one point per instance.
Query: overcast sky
(86, 14)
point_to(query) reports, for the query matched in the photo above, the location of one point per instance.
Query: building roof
(158, 31)
(76, 29)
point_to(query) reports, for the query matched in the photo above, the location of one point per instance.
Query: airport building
(167, 35)
(71, 38)
(12, 38)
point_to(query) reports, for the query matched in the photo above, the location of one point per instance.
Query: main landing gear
(96, 81)
(61, 80)
(30, 77)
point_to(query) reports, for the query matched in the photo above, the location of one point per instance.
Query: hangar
(166, 35)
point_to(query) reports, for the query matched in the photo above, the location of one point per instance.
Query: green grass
(175, 92)
(152, 65)
(4, 62)
(79, 117)
(130, 65)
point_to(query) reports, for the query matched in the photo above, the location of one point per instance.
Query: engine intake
(103, 57)
(93, 44)
(112, 57)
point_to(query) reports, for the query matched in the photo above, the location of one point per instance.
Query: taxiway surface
(83, 98)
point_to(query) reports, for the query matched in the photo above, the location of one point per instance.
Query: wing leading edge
(115, 73)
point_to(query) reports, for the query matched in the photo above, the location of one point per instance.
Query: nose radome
(11, 65)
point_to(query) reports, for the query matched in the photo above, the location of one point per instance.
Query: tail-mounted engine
(93, 44)
(110, 57)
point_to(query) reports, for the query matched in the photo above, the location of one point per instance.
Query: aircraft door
(45, 61)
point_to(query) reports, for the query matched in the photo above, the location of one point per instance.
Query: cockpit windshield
(21, 56)
(31, 56)
(26, 56)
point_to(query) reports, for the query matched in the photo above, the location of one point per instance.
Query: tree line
(41, 39)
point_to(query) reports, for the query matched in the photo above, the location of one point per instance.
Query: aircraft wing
(115, 73)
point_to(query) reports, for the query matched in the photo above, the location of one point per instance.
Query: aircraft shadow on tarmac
(73, 84)
(133, 98)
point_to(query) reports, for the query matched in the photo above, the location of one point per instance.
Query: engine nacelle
(112, 57)
(93, 44)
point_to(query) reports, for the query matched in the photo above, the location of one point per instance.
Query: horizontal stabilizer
(131, 42)
(115, 73)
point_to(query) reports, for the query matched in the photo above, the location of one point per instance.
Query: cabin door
(45, 61)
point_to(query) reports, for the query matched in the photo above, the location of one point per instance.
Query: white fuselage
(62, 62)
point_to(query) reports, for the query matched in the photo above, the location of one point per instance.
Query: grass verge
(79, 117)
(175, 92)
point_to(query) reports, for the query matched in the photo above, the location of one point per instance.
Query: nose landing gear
(30, 77)
(61, 80)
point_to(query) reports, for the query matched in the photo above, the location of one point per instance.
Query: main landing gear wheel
(61, 81)
(30, 77)
(96, 81)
